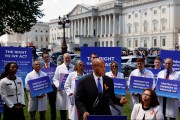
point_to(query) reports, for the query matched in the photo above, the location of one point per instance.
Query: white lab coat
(153, 113)
(9, 93)
(61, 102)
(121, 76)
(171, 103)
(70, 87)
(35, 103)
(136, 72)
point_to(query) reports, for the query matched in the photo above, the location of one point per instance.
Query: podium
(106, 117)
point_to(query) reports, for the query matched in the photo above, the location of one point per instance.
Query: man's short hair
(140, 60)
(158, 58)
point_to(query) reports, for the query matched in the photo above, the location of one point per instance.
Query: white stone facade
(132, 24)
(38, 36)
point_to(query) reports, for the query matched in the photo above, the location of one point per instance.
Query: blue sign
(119, 86)
(138, 84)
(1, 105)
(108, 54)
(40, 86)
(106, 117)
(174, 55)
(168, 88)
(50, 72)
(62, 80)
(88, 69)
(22, 56)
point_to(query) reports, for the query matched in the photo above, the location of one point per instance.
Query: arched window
(155, 25)
(163, 24)
(111, 43)
(129, 26)
(136, 26)
(145, 26)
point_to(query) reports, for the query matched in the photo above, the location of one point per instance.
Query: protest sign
(138, 84)
(40, 86)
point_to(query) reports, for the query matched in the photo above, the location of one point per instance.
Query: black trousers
(13, 114)
(52, 102)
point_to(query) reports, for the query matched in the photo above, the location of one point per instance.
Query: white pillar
(78, 27)
(110, 25)
(92, 26)
(101, 25)
(75, 27)
(120, 24)
(114, 24)
(97, 27)
(88, 26)
(81, 26)
(105, 25)
(84, 26)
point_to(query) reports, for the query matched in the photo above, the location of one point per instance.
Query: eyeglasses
(167, 63)
(81, 65)
(114, 66)
(139, 63)
(146, 95)
(94, 57)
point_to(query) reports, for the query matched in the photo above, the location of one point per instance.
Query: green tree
(19, 15)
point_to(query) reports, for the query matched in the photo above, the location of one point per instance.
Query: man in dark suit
(51, 95)
(95, 91)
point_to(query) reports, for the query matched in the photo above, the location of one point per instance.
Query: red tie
(46, 66)
(167, 75)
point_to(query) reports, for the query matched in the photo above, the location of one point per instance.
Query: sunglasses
(81, 65)
(114, 66)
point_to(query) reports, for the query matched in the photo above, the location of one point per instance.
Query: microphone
(96, 102)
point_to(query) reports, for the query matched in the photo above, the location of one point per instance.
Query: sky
(53, 8)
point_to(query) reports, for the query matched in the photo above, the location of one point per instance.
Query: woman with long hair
(12, 92)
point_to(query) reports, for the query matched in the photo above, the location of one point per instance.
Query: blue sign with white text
(168, 88)
(62, 80)
(119, 86)
(108, 54)
(40, 86)
(174, 55)
(138, 84)
(50, 72)
(21, 55)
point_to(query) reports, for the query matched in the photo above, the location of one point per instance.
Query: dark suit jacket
(87, 92)
(51, 65)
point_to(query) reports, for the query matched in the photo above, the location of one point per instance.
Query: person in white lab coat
(65, 68)
(115, 74)
(170, 105)
(38, 103)
(70, 88)
(148, 108)
(141, 71)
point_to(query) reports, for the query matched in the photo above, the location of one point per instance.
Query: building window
(155, 42)
(129, 28)
(129, 42)
(164, 24)
(164, 10)
(155, 25)
(47, 39)
(145, 13)
(35, 30)
(155, 12)
(41, 38)
(106, 43)
(136, 26)
(145, 26)
(41, 31)
(111, 43)
(102, 44)
(136, 15)
(163, 40)
(46, 31)
(118, 43)
(129, 16)
(145, 43)
(36, 38)
(136, 43)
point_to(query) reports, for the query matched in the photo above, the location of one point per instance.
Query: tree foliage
(19, 15)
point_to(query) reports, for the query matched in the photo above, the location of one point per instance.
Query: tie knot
(99, 79)
(167, 72)
(46, 65)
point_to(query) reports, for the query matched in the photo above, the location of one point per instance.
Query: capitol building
(127, 23)
(111, 23)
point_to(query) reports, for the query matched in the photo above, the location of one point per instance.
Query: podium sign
(106, 117)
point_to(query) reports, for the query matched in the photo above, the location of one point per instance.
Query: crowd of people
(93, 95)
